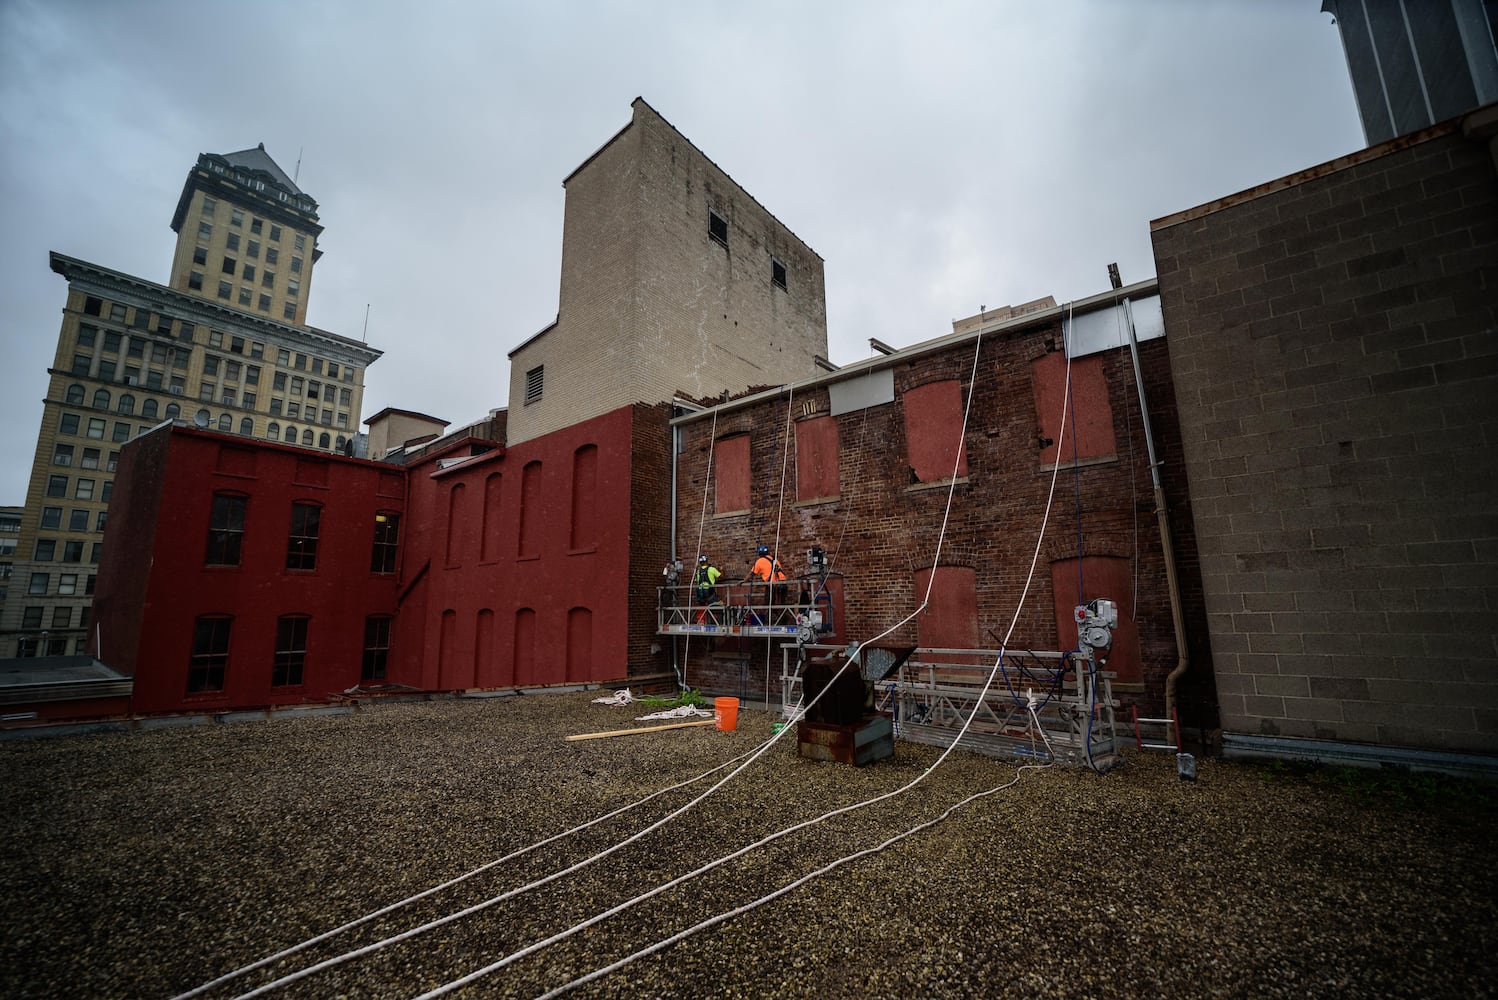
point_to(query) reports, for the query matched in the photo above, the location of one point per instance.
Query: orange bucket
(726, 713)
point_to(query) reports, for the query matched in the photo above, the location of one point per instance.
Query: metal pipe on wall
(1162, 516)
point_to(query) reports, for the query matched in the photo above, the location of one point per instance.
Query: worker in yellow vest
(705, 587)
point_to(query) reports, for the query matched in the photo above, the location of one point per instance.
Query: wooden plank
(644, 729)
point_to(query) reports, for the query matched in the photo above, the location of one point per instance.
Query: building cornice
(257, 189)
(116, 285)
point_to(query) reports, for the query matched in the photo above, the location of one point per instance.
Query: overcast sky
(940, 156)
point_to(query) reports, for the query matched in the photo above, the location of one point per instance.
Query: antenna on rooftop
(365, 337)
(298, 171)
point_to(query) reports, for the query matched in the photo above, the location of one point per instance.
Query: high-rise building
(1414, 63)
(223, 345)
(10, 530)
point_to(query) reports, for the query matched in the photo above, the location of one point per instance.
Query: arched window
(290, 436)
(75, 393)
(457, 522)
(246, 426)
(307, 436)
(126, 404)
(530, 511)
(579, 644)
(173, 411)
(202, 418)
(225, 422)
(273, 431)
(340, 443)
(584, 484)
(148, 409)
(101, 399)
(324, 440)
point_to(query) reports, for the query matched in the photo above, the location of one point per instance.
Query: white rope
(752, 756)
(679, 712)
(972, 390)
(755, 904)
(712, 447)
(785, 459)
(967, 723)
(286, 953)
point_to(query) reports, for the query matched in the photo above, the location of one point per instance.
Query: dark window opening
(717, 227)
(225, 530)
(301, 549)
(291, 651)
(210, 655)
(777, 274)
(376, 648)
(386, 539)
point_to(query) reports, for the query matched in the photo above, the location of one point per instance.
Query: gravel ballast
(145, 864)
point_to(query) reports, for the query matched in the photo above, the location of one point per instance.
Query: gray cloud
(938, 156)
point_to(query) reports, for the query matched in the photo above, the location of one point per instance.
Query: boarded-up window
(584, 487)
(530, 511)
(447, 652)
(731, 470)
(456, 512)
(525, 647)
(483, 649)
(493, 520)
(579, 644)
(1102, 576)
(933, 431)
(1088, 432)
(950, 620)
(816, 458)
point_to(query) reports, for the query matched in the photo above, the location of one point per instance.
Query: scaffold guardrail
(933, 693)
(739, 609)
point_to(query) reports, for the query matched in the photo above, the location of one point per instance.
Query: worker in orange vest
(767, 569)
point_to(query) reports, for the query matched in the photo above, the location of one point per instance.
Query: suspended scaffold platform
(790, 610)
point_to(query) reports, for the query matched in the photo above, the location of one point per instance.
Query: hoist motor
(1096, 621)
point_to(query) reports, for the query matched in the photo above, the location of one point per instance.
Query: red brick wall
(486, 586)
(168, 480)
(881, 531)
(649, 532)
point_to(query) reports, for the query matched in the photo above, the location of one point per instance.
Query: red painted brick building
(523, 565)
(240, 573)
(246, 575)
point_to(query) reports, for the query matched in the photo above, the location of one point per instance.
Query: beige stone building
(223, 345)
(674, 280)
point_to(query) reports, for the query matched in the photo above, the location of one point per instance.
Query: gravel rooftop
(146, 864)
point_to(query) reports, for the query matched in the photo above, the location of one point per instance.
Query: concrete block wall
(710, 316)
(880, 532)
(1334, 347)
(650, 304)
